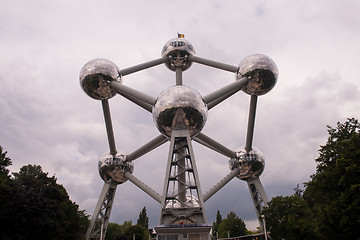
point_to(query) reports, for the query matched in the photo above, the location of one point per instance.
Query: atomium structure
(179, 113)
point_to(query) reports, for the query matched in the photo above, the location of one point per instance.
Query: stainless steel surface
(224, 92)
(114, 167)
(95, 77)
(221, 184)
(250, 164)
(142, 66)
(251, 123)
(143, 187)
(214, 64)
(261, 71)
(214, 145)
(176, 51)
(179, 107)
(109, 128)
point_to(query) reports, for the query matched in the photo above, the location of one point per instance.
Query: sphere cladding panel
(179, 107)
(176, 51)
(191, 201)
(95, 77)
(250, 164)
(261, 71)
(114, 168)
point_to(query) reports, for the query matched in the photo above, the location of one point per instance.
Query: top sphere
(261, 72)
(177, 51)
(250, 163)
(95, 77)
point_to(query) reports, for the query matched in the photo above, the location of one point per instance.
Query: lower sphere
(251, 164)
(114, 167)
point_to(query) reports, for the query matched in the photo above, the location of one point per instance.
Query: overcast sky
(46, 119)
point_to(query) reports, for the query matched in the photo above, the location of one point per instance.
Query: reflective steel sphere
(179, 107)
(114, 168)
(261, 72)
(177, 51)
(191, 202)
(250, 164)
(95, 77)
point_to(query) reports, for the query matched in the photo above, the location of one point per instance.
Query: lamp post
(263, 219)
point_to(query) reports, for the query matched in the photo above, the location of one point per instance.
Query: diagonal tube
(154, 143)
(143, 187)
(214, 145)
(251, 123)
(220, 93)
(142, 66)
(108, 124)
(138, 102)
(136, 96)
(221, 183)
(214, 64)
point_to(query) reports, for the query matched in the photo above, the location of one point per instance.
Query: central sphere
(179, 108)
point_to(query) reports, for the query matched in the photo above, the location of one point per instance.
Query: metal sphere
(250, 164)
(191, 201)
(177, 51)
(261, 71)
(95, 77)
(179, 108)
(114, 168)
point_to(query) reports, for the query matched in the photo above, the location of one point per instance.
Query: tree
(333, 192)
(114, 231)
(143, 219)
(38, 207)
(215, 226)
(289, 218)
(232, 224)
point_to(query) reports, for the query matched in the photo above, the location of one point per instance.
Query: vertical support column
(179, 76)
(182, 199)
(258, 197)
(100, 219)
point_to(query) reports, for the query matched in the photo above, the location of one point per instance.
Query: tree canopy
(33, 205)
(289, 218)
(233, 225)
(329, 208)
(333, 192)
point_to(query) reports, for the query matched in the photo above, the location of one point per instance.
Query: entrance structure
(179, 113)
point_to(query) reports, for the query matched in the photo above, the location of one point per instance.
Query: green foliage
(143, 219)
(215, 226)
(232, 224)
(125, 231)
(289, 218)
(334, 190)
(114, 231)
(33, 205)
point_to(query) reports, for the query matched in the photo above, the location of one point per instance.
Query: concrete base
(183, 232)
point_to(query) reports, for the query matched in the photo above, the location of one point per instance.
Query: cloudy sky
(47, 119)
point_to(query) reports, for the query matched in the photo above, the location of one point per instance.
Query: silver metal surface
(108, 125)
(251, 164)
(179, 107)
(214, 64)
(100, 219)
(152, 193)
(114, 168)
(176, 51)
(95, 77)
(261, 71)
